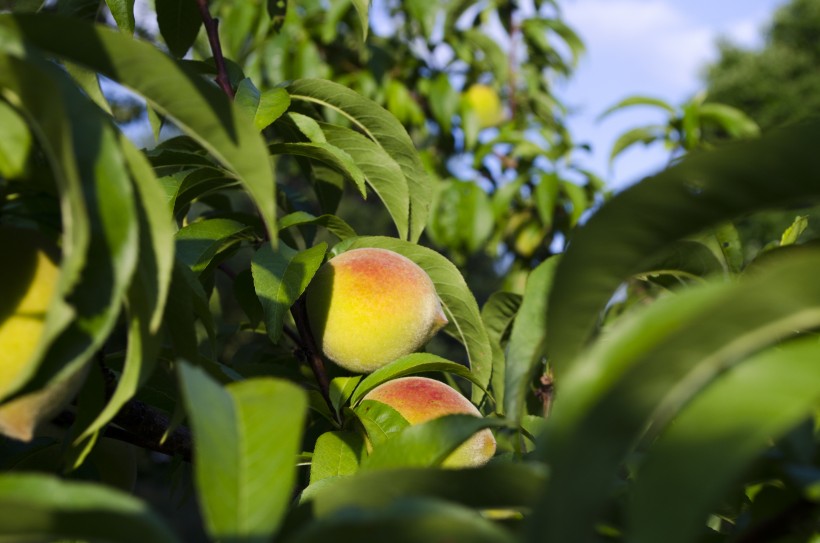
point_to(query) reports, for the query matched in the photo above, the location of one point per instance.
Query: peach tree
(640, 374)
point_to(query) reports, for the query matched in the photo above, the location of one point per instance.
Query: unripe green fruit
(486, 104)
(419, 399)
(28, 279)
(368, 307)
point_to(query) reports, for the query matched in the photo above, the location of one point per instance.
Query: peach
(419, 399)
(486, 104)
(29, 277)
(368, 307)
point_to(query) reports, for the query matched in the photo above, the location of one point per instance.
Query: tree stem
(211, 28)
(317, 365)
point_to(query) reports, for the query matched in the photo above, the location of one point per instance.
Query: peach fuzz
(368, 307)
(419, 399)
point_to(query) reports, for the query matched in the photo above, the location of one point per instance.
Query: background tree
(778, 83)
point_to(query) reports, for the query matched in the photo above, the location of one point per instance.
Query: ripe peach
(486, 104)
(419, 399)
(368, 307)
(29, 276)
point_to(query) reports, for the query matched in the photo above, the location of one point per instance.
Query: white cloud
(653, 38)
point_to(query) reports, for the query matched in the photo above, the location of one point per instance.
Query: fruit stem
(317, 365)
(211, 28)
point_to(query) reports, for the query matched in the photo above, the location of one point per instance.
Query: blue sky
(650, 47)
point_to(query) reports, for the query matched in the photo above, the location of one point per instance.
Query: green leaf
(728, 240)
(526, 350)
(382, 173)
(245, 469)
(684, 260)
(411, 364)
(334, 224)
(280, 277)
(363, 8)
(647, 366)
(456, 298)
(426, 444)
(703, 190)
(498, 313)
(638, 100)
(379, 420)
(100, 237)
(15, 142)
(198, 108)
(381, 127)
(179, 23)
(263, 107)
(33, 506)
(462, 217)
(730, 119)
(642, 134)
(718, 435)
(331, 155)
(123, 13)
(149, 289)
(546, 198)
(496, 485)
(407, 521)
(336, 454)
(792, 233)
(199, 242)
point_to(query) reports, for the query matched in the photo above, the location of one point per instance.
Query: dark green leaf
(35, 506)
(496, 485)
(703, 190)
(245, 469)
(331, 155)
(179, 22)
(641, 372)
(715, 438)
(407, 521)
(200, 109)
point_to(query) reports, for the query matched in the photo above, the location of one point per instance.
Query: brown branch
(314, 359)
(211, 28)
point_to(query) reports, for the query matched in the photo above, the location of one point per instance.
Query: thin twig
(317, 365)
(211, 28)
